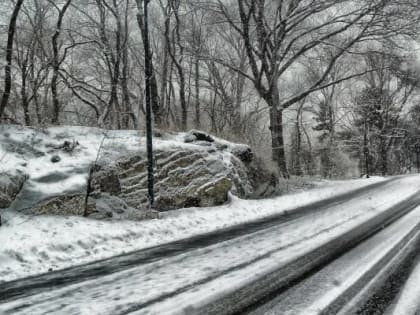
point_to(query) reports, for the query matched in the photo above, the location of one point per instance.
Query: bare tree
(55, 60)
(156, 106)
(9, 57)
(277, 34)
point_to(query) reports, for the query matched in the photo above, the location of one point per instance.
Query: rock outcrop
(192, 169)
(10, 186)
(199, 175)
(183, 178)
(104, 207)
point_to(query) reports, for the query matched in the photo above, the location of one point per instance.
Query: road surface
(258, 268)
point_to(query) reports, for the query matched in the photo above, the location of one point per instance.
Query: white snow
(30, 150)
(261, 252)
(31, 245)
(409, 302)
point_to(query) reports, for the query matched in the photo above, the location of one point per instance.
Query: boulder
(106, 180)
(65, 205)
(200, 174)
(111, 207)
(183, 178)
(10, 186)
(55, 159)
(104, 206)
(188, 176)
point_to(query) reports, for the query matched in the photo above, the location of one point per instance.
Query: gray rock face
(197, 173)
(188, 177)
(10, 186)
(104, 207)
(65, 205)
(183, 178)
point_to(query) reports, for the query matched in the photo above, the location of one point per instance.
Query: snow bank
(32, 245)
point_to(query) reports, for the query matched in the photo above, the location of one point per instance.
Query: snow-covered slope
(31, 151)
(34, 244)
(31, 245)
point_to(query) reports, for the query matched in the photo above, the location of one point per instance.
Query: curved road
(232, 270)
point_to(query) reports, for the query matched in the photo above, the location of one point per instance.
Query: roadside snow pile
(193, 169)
(32, 245)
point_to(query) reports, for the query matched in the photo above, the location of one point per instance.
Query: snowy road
(232, 271)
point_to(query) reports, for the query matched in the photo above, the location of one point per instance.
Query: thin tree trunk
(9, 55)
(384, 156)
(154, 92)
(56, 64)
(197, 120)
(178, 65)
(148, 75)
(366, 149)
(298, 144)
(24, 96)
(165, 69)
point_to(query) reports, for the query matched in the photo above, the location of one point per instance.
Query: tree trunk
(154, 92)
(276, 128)
(56, 102)
(298, 145)
(9, 55)
(148, 89)
(383, 156)
(366, 149)
(197, 93)
(24, 97)
(164, 103)
(240, 84)
(56, 63)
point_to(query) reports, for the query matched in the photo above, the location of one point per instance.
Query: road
(251, 268)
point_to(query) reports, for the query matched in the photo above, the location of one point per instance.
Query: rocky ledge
(199, 175)
(192, 169)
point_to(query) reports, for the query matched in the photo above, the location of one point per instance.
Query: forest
(316, 87)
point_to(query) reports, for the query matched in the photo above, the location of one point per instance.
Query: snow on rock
(192, 169)
(183, 178)
(10, 186)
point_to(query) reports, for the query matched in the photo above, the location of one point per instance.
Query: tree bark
(154, 92)
(383, 156)
(56, 64)
(9, 55)
(148, 76)
(197, 119)
(276, 128)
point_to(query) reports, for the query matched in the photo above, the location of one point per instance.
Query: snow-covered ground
(31, 245)
(204, 273)
(369, 260)
(30, 150)
(409, 301)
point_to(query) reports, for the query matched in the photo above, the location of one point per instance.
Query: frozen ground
(31, 245)
(355, 269)
(409, 300)
(203, 273)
